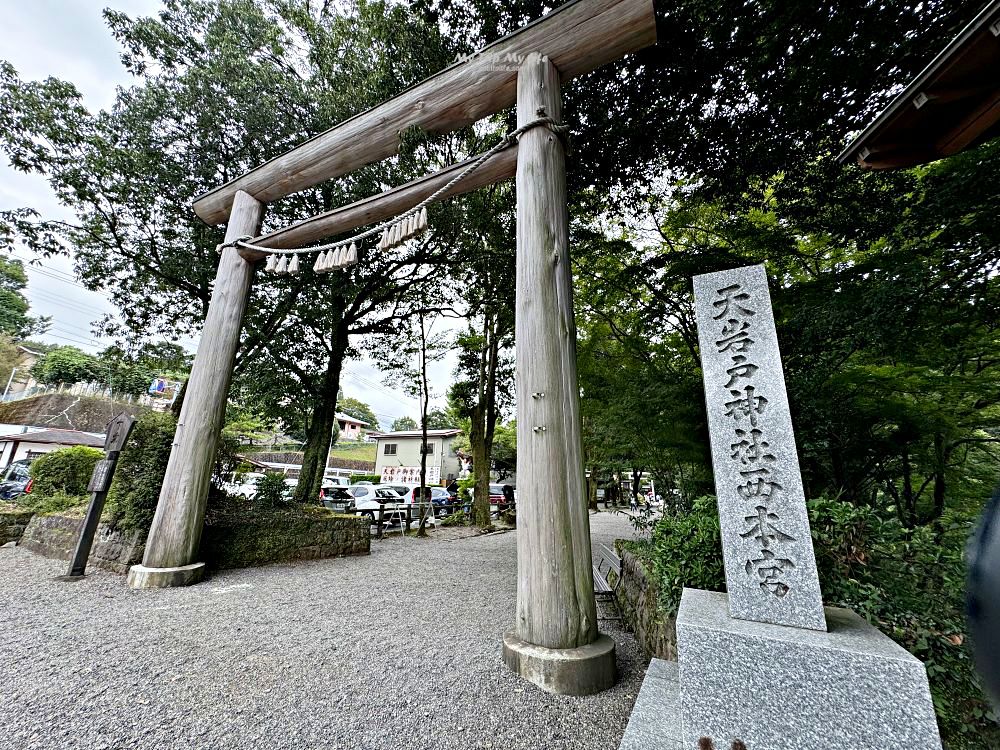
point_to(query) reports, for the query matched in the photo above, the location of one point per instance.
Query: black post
(381, 521)
(409, 517)
(118, 432)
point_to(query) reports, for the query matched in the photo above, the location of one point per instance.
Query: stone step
(655, 723)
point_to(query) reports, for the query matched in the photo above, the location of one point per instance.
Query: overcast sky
(67, 39)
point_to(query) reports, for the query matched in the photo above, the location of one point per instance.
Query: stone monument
(767, 664)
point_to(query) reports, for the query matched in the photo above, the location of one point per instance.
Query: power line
(32, 265)
(378, 386)
(54, 299)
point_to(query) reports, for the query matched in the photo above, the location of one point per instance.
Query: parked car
(369, 498)
(332, 485)
(440, 497)
(337, 498)
(245, 488)
(15, 480)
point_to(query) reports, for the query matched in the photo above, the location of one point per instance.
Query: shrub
(908, 582)
(376, 478)
(136, 485)
(53, 503)
(465, 488)
(66, 471)
(458, 518)
(271, 490)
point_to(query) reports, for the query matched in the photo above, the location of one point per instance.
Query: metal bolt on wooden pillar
(175, 534)
(554, 643)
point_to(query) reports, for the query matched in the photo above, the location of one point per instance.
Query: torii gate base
(554, 643)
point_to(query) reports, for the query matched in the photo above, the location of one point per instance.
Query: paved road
(397, 650)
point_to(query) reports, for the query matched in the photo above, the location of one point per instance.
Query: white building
(32, 443)
(397, 456)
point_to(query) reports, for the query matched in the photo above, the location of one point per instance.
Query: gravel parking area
(397, 650)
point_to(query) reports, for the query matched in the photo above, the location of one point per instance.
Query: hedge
(65, 471)
(136, 485)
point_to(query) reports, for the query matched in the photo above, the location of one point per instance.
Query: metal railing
(406, 514)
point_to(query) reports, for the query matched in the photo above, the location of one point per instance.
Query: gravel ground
(397, 650)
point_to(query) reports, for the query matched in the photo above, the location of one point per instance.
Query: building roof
(954, 104)
(59, 437)
(402, 434)
(349, 418)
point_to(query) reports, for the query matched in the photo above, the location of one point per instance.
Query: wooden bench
(604, 591)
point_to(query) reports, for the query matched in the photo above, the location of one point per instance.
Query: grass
(351, 449)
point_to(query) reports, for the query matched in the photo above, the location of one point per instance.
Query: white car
(246, 488)
(369, 498)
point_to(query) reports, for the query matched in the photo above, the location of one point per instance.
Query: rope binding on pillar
(343, 254)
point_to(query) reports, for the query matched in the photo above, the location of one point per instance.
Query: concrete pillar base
(568, 671)
(141, 577)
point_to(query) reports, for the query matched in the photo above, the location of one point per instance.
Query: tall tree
(14, 319)
(260, 78)
(484, 375)
(404, 423)
(352, 407)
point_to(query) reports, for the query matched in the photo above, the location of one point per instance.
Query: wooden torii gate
(555, 642)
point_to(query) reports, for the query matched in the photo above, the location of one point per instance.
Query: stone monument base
(783, 688)
(141, 577)
(568, 671)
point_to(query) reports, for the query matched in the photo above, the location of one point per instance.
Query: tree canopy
(14, 319)
(352, 407)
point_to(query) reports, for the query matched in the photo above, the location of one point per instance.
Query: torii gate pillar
(174, 537)
(554, 642)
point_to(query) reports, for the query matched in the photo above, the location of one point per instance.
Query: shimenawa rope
(418, 210)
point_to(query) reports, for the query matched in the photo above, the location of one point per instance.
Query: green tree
(165, 358)
(14, 319)
(404, 423)
(505, 450)
(66, 365)
(440, 419)
(9, 358)
(284, 71)
(359, 410)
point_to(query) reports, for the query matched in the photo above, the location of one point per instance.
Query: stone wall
(637, 600)
(13, 522)
(228, 541)
(54, 535)
(239, 541)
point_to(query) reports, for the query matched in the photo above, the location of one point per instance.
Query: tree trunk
(481, 473)
(426, 503)
(592, 490)
(940, 466)
(316, 451)
(908, 498)
(483, 419)
(636, 484)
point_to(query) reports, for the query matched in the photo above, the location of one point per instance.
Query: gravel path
(397, 650)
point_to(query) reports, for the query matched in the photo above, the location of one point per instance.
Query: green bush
(136, 486)
(271, 490)
(53, 503)
(907, 582)
(465, 488)
(458, 518)
(66, 471)
(376, 478)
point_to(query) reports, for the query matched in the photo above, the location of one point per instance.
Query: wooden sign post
(118, 431)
